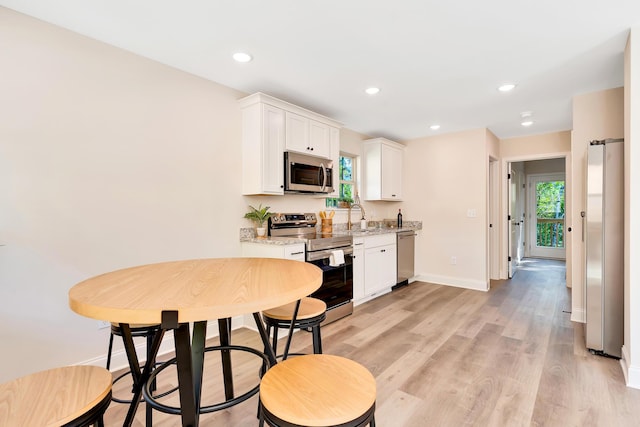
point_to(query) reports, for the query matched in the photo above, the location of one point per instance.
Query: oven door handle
(314, 256)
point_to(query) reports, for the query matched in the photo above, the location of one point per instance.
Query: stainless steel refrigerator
(604, 244)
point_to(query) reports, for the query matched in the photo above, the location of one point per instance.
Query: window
(550, 214)
(346, 181)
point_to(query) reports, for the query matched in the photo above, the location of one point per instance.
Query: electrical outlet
(454, 260)
(103, 324)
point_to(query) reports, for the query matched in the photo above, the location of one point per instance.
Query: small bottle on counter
(399, 218)
(363, 224)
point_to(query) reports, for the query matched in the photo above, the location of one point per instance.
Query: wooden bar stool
(70, 396)
(318, 390)
(142, 331)
(146, 331)
(311, 313)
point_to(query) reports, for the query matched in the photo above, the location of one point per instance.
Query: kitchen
(101, 197)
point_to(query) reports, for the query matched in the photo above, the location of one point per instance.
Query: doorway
(546, 232)
(516, 207)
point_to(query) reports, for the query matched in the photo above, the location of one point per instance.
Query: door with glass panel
(546, 214)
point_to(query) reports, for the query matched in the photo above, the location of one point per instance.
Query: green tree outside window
(550, 214)
(347, 183)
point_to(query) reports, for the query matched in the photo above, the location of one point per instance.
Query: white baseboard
(578, 315)
(476, 285)
(119, 356)
(631, 373)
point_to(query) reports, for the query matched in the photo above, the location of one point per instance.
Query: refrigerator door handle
(583, 214)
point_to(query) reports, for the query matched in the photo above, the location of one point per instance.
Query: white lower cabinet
(374, 266)
(358, 268)
(262, 250)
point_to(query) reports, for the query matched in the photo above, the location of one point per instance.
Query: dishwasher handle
(406, 235)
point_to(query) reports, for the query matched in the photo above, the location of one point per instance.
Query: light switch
(471, 213)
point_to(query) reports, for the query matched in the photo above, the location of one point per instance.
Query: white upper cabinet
(307, 136)
(263, 133)
(382, 169)
(270, 127)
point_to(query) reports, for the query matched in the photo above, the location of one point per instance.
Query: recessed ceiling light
(434, 127)
(527, 122)
(507, 87)
(242, 57)
(372, 90)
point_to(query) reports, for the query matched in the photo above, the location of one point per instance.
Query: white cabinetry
(262, 250)
(263, 132)
(307, 136)
(382, 169)
(379, 263)
(269, 127)
(358, 268)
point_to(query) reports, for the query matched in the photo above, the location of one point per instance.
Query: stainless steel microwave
(307, 174)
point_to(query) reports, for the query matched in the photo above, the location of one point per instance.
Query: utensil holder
(327, 225)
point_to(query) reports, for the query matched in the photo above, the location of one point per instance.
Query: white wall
(107, 160)
(631, 348)
(596, 115)
(547, 166)
(449, 177)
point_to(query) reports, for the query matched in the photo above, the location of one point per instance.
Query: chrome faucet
(355, 204)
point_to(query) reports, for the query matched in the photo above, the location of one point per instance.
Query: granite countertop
(281, 241)
(248, 234)
(374, 231)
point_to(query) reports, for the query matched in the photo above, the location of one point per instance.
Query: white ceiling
(435, 61)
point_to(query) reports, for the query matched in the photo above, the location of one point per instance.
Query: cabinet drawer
(380, 240)
(295, 252)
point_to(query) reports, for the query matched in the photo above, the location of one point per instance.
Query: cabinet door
(389, 266)
(391, 173)
(272, 150)
(320, 139)
(358, 271)
(380, 269)
(297, 137)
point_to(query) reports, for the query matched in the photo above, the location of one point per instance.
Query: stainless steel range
(337, 284)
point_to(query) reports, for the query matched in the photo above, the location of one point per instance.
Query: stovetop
(302, 226)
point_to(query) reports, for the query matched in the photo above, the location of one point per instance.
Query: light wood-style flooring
(445, 356)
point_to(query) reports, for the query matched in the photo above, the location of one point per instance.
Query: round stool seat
(318, 390)
(72, 395)
(311, 314)
(309, 308)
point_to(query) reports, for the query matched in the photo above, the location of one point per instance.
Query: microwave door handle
(324, 176)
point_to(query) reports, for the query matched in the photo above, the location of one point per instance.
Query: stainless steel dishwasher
(405, 252)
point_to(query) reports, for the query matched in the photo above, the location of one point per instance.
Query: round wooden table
(178, 292)
(56, 397)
